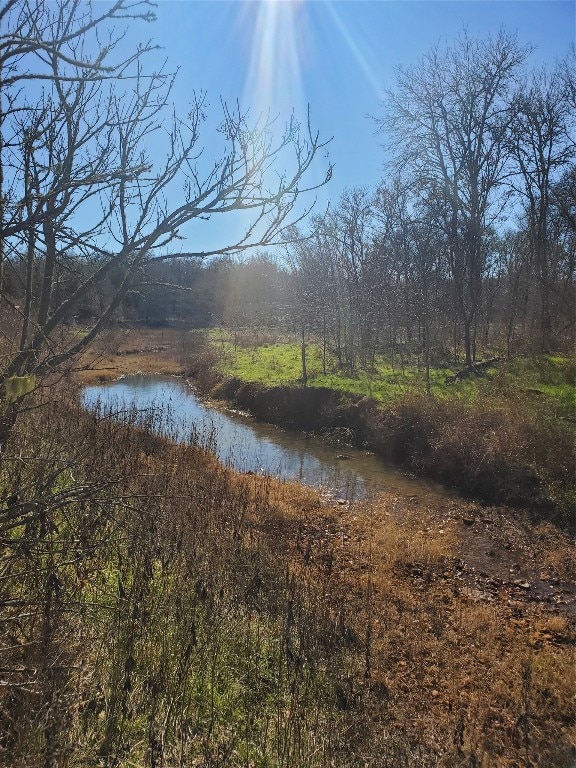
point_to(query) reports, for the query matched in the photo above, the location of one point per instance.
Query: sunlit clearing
(278, 39)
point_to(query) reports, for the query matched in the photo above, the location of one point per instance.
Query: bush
(199, 359)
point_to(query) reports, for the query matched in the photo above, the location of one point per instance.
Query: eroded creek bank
(406, 435)
(502, 557)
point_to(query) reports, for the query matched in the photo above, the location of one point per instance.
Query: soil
(498, 555)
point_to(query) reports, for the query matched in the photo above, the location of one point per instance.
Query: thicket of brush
(144, 621)
(157, 610)
(497, 451)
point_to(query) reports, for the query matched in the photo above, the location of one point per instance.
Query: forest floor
(470, 624)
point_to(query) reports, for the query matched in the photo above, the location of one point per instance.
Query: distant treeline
(468, 246)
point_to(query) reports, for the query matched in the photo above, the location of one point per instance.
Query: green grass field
(281, 363)
(545, 380)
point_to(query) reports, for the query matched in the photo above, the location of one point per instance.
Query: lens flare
(278, 33)
(355, 48)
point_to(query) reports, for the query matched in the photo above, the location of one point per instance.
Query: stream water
(243, 443)
(247, 445)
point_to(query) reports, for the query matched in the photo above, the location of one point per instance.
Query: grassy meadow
(280, 362)
(549, 379)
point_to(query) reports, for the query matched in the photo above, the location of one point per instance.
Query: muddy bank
(429, 438)
(487, 453)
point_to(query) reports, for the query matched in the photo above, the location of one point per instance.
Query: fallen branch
(476, 369)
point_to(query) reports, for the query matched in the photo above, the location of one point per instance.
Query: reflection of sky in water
(245, 444)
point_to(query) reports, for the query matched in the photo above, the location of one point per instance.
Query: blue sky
(337, 56)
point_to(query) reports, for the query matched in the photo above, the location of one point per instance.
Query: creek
(171, 408)
(247, 445)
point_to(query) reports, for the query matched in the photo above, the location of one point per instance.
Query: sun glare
(278, 33)
(355, 49)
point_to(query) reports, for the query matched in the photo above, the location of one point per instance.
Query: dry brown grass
(470, 677)
(447, 667)
(370, 603)
(120, 353)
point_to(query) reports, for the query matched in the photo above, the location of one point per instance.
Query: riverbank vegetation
(158, 609)
(505, 437)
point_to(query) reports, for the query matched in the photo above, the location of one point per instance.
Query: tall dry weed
(160, 610)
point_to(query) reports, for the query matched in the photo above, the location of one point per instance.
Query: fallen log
(476, 369)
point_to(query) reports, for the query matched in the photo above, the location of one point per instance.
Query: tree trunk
(7, 422)
(303, 350)
(468, 341)
(324, 345)
(545, 318)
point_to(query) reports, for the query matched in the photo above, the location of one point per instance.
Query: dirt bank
(489, 455)
(435, 440)
(445, 628)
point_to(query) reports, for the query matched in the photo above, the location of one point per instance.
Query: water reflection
(248, 445)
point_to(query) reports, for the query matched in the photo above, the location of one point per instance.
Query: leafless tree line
(467, 247)
(476, 222)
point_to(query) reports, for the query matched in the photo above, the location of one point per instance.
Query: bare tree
(540, 141)
(85, 201)
(354, 219)
(336, 264)
(447, 123)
